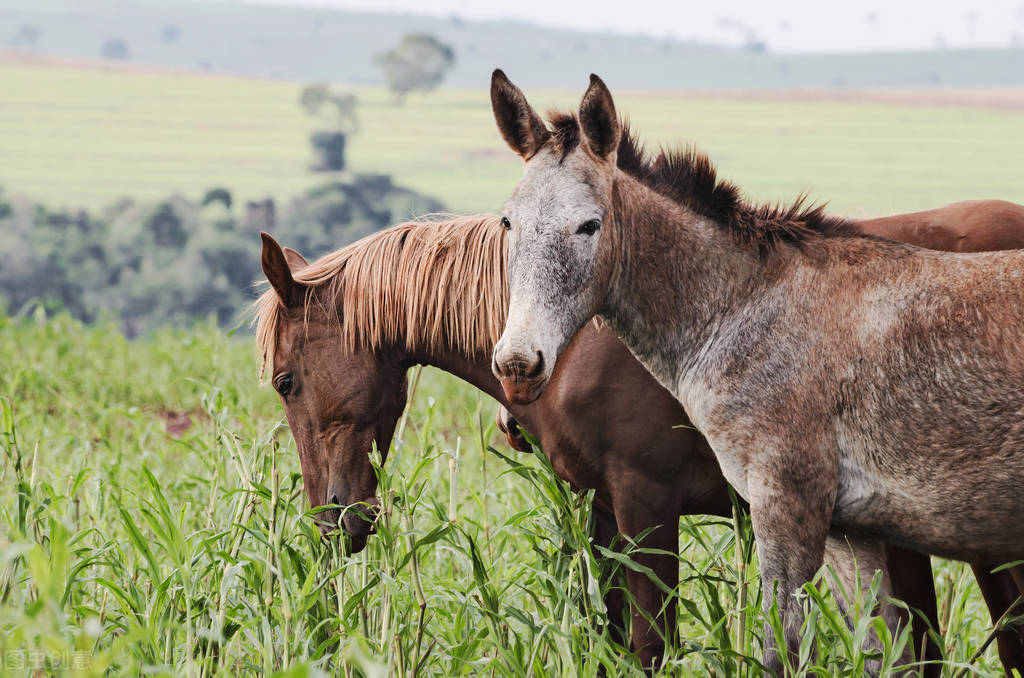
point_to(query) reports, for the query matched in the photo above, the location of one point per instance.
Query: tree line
(171, 261)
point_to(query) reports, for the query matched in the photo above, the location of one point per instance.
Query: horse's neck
(473, 369)
(679, 278)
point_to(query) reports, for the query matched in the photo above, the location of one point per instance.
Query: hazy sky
(785, 25)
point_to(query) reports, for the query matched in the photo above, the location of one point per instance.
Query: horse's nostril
(537, 367)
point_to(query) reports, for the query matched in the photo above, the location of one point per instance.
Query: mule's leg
(1000, 591)
(640, 506)
(914, 584)
(790, 509)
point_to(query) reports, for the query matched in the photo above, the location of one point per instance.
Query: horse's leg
(605, 530)
(640, 507)
(790, 508)
(914, 584)
(1000, 591)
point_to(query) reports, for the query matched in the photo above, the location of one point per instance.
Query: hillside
(303, 44)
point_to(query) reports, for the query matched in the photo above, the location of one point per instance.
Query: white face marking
(552, 257)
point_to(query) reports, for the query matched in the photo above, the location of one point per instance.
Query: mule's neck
(676, 278)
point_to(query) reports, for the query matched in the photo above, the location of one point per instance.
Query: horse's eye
(589, 227)
(284, 385)
(506, 224)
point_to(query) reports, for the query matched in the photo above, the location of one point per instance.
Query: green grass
(73, 136)
(127, 551)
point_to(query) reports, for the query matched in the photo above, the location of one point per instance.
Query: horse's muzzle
(357, 521)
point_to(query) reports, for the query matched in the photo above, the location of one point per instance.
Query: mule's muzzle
(357, 521)
(522, 378)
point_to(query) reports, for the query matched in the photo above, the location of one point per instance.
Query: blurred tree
(27, 37)
(418, 62)
(752, 42)
(328, 151)
(337, 108)
(338, 111)
(114, 48)
(170, 33)
(166, 227)
(260, 215)
(215, 195)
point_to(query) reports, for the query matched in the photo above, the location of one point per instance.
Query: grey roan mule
(843, 381)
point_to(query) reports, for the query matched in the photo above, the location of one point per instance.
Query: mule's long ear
(294, 259)
(275, 267)
(519, 124)
(598, 121)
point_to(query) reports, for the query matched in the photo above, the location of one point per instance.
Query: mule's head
(339, 401)
(560, 257)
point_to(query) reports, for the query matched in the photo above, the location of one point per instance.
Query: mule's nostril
(537, 367)
(496, 368)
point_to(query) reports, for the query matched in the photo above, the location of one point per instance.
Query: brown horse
(844, 382)
(353, 322)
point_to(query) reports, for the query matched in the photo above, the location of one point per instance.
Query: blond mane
(426, 285)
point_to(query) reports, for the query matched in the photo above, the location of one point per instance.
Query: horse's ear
(275, 267)
(519, 124)
(598, 121)
(294, 259)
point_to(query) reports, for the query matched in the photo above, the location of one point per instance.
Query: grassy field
(71, 136)
(126, 549)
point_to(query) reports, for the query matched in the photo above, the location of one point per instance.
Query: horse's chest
(574, 466)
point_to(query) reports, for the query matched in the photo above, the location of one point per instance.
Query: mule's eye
(506, 224)
(589, 227)
(284, 385)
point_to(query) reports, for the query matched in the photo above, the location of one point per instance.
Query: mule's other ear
(294, 259)
(598, 121)
(275, 267)
(518, 123)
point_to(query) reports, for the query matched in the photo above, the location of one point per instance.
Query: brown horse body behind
(349, 371)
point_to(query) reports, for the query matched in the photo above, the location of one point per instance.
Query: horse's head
(339, 401)
(561, 243)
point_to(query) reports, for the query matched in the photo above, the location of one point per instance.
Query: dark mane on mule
(687, 176)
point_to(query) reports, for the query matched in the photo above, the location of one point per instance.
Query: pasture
(129, 545)
(132, 543)
(73, 136)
